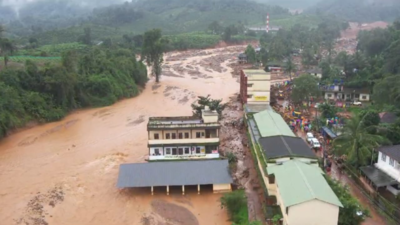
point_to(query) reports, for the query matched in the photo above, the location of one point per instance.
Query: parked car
(309, 137)
(315, 143)
(356, 103)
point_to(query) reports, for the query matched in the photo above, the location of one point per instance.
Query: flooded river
(65, 173)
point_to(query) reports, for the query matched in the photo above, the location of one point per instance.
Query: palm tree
(356, 142)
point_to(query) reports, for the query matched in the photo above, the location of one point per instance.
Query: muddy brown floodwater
(65, 173)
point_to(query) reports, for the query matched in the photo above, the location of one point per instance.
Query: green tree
(305, 87)
(86, 38)
(349, 214)
(6, 49)
(327, 110)
(153, 50)
(236, 204)
(263, 56)
(215, 28)
(290, 67)
(251, 54)
(387, 91)
(356, 141)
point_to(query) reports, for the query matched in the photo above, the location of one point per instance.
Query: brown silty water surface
(66, 172)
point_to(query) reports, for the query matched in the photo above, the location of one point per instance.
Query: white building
(338, 92)
(386, 172)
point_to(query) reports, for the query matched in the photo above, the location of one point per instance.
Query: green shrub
(236, 204)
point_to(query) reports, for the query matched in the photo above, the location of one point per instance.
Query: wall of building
(187, 149)
(384, 165)
(210, 118)
(364, 97)
(258, 97)
(314, 212)
(259, 85)
(329, 95)
(222, 188)
(162, 134)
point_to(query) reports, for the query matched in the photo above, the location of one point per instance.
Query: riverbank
(65, 172)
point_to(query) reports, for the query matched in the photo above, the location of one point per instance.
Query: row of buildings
(184, 151)
(295, 184)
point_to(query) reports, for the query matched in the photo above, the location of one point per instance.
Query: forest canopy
(98, 77)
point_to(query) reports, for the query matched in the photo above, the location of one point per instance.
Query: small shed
(242, 58)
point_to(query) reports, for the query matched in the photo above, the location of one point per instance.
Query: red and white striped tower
(267, 22)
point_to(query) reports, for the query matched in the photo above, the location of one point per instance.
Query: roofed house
(177, 173)
(242, 58)
(316, 72)
(339, 92)
(386, 172)
(304, 195)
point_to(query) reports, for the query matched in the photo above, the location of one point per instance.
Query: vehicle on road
(309, 137)
(356, 103)
(315, 143)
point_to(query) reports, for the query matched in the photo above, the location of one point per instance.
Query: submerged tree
(213, 104)
(153, 50)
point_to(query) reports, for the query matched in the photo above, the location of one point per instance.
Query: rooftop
(349, 90)
(388, 117)
(251, 108)
(315, 70)
(299, 182)
(250, 73)
(281, 146)
(270, 123)
(378, 177)
(392, 151)
(178, 122)
(174, 173)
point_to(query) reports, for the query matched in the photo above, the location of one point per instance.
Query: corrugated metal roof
(378, 177)
(281, 146)
(174, 173)
(270, 124)
(299, 182)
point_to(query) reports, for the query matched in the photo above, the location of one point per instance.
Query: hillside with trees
(291, 4)
(359, 10)
(59, 22)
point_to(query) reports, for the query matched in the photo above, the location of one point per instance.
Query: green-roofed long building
(295, 185)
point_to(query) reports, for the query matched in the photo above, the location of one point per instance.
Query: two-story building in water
(185, 151)
(184, 137)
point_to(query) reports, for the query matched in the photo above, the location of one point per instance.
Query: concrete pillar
(152, 190)
(183, 189)
(198, 189)
(167, 190)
